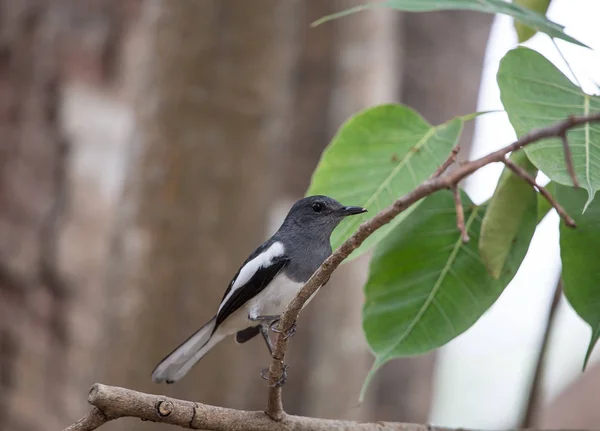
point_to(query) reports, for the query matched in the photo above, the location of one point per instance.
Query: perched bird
(266, 282)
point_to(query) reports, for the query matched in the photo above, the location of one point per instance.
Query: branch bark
(289, 317)
(112, 402)
(522, 173)
(460, 215)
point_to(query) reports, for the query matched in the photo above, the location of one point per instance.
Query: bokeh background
(147, 146)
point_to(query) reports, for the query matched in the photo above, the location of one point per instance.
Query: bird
(265, 283)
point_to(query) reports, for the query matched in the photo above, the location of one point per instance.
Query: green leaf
(536, 94)
(540, 6)
(513, 202)
(425, 286)
(376, 157)
(473, 115)
(518, 12)
(579, 250)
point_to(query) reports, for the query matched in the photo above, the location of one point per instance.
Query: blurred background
(147, 146)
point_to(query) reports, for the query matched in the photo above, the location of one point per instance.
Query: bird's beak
(348, 211)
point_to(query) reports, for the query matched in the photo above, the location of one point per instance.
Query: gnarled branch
(112, 402)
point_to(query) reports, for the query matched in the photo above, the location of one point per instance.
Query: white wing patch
(261, 261)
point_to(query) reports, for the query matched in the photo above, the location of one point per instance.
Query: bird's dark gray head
(319, 214)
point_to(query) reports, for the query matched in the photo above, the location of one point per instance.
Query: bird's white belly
(272, 301)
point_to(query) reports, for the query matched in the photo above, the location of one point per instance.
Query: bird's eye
(317, 207)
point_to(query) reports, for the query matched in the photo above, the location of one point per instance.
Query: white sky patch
(482, 376)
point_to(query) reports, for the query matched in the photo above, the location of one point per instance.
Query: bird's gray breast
(305, 258)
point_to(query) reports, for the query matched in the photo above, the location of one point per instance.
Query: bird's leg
(267, 323)
(290, 332)
(281, 381)
(263, 319)
(272, 321)
(264, 331)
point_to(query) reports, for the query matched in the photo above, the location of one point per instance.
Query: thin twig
(535, 392)
(519, 171)
(447, 163)
(460, 215)
(569, 159)
(433, 184)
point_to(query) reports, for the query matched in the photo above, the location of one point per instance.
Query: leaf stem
(460, 215)
(569, 159)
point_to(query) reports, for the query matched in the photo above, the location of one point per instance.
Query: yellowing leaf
(524, 32)
(514, 202)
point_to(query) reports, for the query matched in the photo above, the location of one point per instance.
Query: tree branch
(522, 173)
(91, 421)
(449, 161)
(433, 184)
(112, 402)
(460, 215)
(535, 391)
(569, 159)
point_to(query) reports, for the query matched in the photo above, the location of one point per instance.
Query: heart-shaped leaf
(536, 94)
(378, 156)
(425, 286)
(579, 250)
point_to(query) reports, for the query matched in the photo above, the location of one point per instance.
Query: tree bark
(209, 82)
(442, 63)
(34, 297)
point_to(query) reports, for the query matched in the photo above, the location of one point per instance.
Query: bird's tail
(183, 358)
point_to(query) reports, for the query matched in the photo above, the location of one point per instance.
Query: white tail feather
(183, 358)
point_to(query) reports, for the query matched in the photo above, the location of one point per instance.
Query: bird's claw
(264, 374)
(290, 332)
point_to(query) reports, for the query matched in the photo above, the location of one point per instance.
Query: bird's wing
(260, 249)
(254, 276)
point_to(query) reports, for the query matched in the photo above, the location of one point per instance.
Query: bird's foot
(290, 332)
(264, 374)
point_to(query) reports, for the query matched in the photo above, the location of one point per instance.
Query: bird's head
(320, 212)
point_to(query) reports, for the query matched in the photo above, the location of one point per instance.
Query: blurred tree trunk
(34, 298)
(443, 62)
(209, 84)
